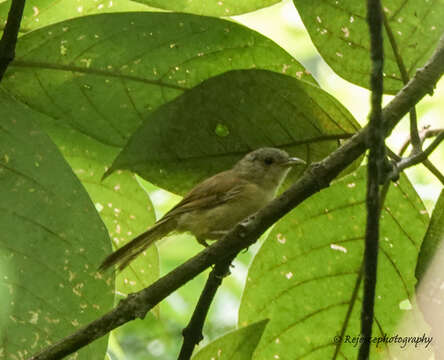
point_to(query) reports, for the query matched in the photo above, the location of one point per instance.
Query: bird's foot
(203, 242)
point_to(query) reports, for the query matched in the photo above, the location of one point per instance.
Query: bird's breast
(211, 223)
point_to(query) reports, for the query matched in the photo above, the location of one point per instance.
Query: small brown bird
(216, 204)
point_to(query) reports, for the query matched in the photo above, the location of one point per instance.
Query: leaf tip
(107, 173)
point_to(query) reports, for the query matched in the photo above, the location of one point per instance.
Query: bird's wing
(212, 192)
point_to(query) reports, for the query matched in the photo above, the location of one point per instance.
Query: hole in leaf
(221, 130)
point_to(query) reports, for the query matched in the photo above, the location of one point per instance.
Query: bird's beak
(293, 161)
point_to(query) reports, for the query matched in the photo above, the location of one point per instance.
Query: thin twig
(394, 47)
(414, 136)
(416, 141)
(192, 334)
(428, 133)
(438, 174)
(403, 163)
(317, 176)
(375, 170)
(394, 156)
(420, 157)
(351, 304)
(9, 38)
(425, 133)
(383, 193)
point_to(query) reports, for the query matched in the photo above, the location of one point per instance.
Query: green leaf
(123, 205)
(211, 126)
(303, 276)
(211, 7)
(46, 12)
(340, 33)
(430, 276)
(102, 74)
(235, 345)
(131, 213)
(432, 239)
(51, 244)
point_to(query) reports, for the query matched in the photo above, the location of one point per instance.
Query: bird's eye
(268, 160)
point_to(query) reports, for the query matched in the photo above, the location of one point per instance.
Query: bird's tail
(123, 256)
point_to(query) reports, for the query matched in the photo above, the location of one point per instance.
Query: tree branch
(9, 38)
(421, 157)
(425, 133)
(192, 334)
(416, 142)
(375, 170)
(417, 158)
(318, 176)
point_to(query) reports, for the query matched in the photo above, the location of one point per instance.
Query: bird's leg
(202, 242)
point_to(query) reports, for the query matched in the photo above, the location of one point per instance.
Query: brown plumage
(217, 204)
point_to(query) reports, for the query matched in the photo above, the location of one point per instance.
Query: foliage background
(159, 335)
(162, 340)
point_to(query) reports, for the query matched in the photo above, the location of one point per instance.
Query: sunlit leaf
(41, 13)
(432, 239)
(339, 31)
(51, 242)
(304, 274)
(235, 345)
(429, 273)
(206, 129)
(101, 75)
(121, 202)
(211, 7)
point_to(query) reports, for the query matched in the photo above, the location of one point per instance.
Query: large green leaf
(51, 242)
(433, 238)
(45, 12)
(95, 100)
(235, 345)
(430, 276)
(211, 126)
(303, 276)
(102, 74)
(126, 211)
(211, 7)
(340, 33)
(121, 202)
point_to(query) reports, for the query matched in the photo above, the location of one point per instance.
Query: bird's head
(266, 166)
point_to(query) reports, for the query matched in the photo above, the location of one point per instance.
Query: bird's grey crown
(264, 153)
